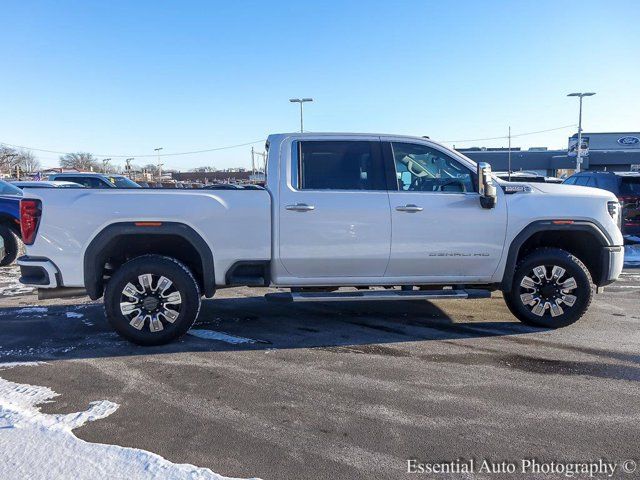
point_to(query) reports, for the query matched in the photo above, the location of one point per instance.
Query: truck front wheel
(551, 288)
(152, 300)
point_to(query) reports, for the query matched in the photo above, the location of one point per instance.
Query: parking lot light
(579, 146)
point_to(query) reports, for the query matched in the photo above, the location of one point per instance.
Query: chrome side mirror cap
(486, 188)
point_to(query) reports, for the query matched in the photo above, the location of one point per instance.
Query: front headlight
(615, 210)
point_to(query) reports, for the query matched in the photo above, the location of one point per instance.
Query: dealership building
(611, 151)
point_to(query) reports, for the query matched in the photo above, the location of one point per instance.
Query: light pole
(579, 146)
(157, 150)
(301, 101)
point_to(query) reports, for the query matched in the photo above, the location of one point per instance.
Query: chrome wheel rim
(547, 290)
(150, 301)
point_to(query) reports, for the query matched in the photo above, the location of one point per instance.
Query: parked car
(9, 222)
(527, 177)
(331, 216)
(96, 180)
(45, 184)
(625, 186)
(222, 186)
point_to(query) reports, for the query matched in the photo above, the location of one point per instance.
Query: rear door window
(339, 165)
(630, 186)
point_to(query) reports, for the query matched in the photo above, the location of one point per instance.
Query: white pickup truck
(399, 218)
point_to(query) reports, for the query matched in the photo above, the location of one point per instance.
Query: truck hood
(560, 189)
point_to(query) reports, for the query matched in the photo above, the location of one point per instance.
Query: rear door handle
(300, 207)
(411, 208)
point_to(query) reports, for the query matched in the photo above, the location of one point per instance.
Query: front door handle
(411, 208)
(300, 207)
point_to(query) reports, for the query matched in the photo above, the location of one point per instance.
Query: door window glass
(89, 182)
(420, 168)
(607, 183)
(339, 165)
(582, 181)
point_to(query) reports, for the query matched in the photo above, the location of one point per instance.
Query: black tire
(549, 291)
(11, 246)
(142, 304)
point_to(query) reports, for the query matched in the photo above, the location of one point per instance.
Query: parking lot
(341, 390)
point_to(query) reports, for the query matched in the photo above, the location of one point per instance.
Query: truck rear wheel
(152, 300)
(11, 246)
(551, 288)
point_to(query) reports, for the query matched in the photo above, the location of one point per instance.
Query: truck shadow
(245, 323)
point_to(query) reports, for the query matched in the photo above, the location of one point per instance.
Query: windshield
(630, 186)
(123, 182)
(8, 189)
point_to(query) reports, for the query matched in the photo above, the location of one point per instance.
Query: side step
(362, 295)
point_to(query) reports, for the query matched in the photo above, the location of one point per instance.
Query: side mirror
(486, 188)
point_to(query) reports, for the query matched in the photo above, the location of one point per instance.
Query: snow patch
(9, 284)
(5, 365)
(37, 445)
(74, 315)
(26, 310)
(221, 336)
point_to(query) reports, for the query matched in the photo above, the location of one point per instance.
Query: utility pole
(253, 162)
(127, 166)
(509, 153)
(579, 146)
(157, 150)
(301, 101)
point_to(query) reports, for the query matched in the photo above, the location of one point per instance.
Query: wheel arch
(11, 223)
(583, 239)
(119, 242)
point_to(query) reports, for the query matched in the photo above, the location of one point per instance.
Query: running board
(295, 297)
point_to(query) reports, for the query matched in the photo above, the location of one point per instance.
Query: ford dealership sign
(629, 140)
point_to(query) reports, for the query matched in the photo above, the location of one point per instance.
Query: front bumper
(612, 262)
(39, 272)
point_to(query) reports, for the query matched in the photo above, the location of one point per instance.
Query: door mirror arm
(486, 188)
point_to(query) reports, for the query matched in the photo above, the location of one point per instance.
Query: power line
(136, 156)
(506, 136)
(227, 147)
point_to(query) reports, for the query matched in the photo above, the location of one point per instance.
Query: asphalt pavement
(343, 391)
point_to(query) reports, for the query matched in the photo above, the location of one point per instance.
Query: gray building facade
(611, 151)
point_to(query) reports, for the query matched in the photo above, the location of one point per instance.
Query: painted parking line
(221, 336)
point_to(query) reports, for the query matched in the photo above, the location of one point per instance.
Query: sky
(124, 77)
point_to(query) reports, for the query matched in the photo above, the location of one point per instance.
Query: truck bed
(236, 224)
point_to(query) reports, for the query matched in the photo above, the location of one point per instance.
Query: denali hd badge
(516, 188)
(629, 140)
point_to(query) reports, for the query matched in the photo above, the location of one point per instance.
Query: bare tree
(8, 159)
(80, 161)
(151, 168)
(28, 162)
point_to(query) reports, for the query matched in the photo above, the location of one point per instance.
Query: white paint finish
(42, 446)
(345, 240)
(348, 234)
(235, 224)
(556, 202)
(452, 236)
